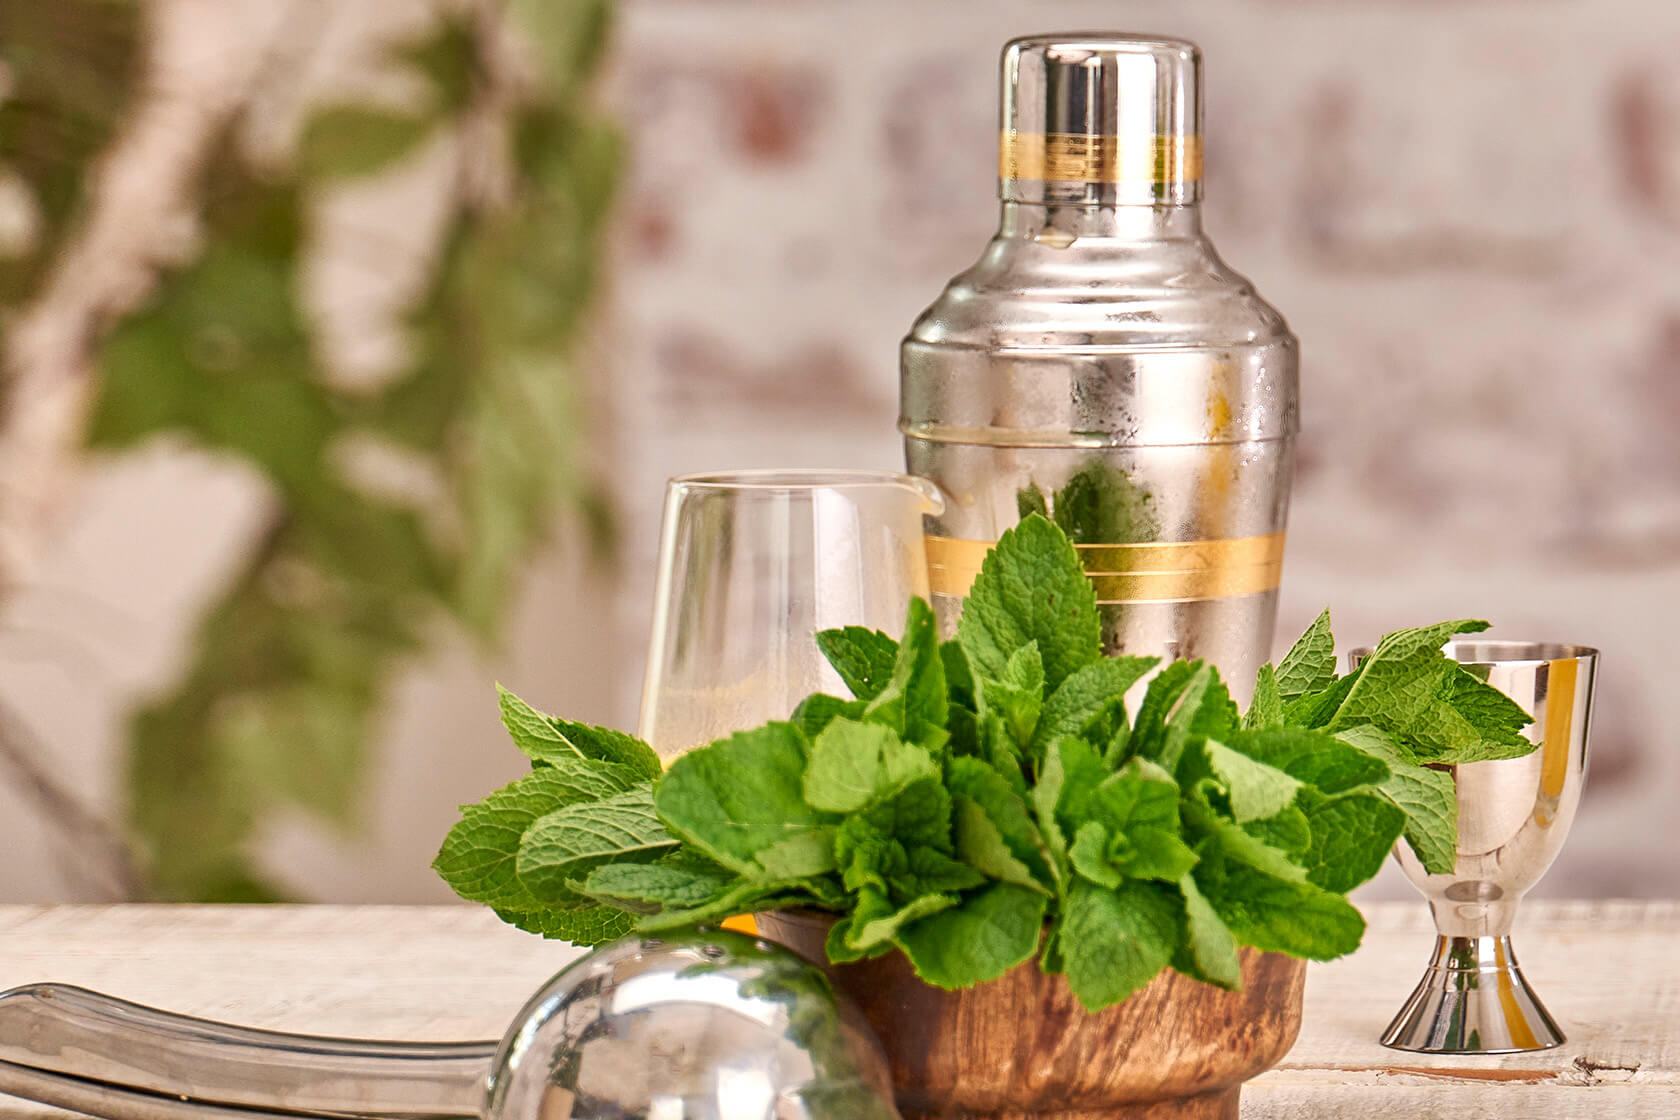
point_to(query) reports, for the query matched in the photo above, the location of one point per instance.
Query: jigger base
(1473, 999)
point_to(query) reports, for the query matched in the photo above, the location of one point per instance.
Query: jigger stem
(1473, 999)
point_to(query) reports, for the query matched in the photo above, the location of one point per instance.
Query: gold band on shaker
(1158, 572)
(1082, 158)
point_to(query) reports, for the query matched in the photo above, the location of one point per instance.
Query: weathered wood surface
(1610, 972)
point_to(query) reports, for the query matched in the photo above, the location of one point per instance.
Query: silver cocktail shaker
(1102, 365)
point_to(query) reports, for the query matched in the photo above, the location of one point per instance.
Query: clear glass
(752, 564)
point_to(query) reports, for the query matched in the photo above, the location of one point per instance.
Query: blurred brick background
(1469, 212)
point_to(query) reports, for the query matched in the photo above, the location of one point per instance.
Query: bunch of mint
(983, 800)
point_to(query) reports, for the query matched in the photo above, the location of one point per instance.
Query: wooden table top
(1609, 972)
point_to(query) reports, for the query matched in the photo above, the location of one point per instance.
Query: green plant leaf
(544, 738)
(1352, 834)
(914, 700)
(974, 782)
(564, 846)
(864, 658)
(1031, 587)
(1310, 664)
(1209, 952)
(738, 796)
(1314, 757)
(588, 925)
(478, 856)
(1255, 789)
(1087, 694)
(1279, 915)
(347, 141)
(990, 933)
(1114, 942)
(1426, 796)
(1018, 697)
(854, 763)
(1266, 708)
(661, 885)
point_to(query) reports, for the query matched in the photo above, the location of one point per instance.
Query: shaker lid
(1101, 117)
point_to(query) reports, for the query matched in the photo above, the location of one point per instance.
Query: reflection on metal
(1159, 572)
(1513, 816)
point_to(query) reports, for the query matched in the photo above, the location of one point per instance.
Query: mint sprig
(981, 801)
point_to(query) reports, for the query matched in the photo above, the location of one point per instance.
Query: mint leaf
(1086, 695)
(864, 658)
(1412, 690)
(959, 681)
(817, 710)
(1100, 504)
(1315, 709)
(1072, 772)
(478, 856)
(1310, 664)
(745, 897)
(1114, 942)
(1266, 708)
(1254, 789)
(1278, 915)
(1426, 796)
(974, 782)
(1352, 833)
(1209, 952)
(876, 922)
(568, 843)
(1138, 807)
(902, 846)
(734, 798)
(800, 856)
(544, 738)
(981, 845)
(662, 884)
(586, 925)
(1088, 856)
(1186, 701)
(1217, 834)
(914, 700)
(852, 764)
(1315, 757)
(1031, 587)
(1018, 697)
(990, 933)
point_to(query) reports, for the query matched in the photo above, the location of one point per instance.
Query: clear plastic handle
(108, 1057)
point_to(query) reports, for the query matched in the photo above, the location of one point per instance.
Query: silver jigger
(1513, 815)
(708, 1025)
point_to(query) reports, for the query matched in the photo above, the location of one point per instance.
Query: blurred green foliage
(280, 699)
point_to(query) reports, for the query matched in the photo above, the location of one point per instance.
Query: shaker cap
(1101, 117)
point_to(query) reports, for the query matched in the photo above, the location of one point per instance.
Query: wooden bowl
(1022, 1047)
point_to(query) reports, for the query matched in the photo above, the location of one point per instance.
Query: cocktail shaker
(1102, 365)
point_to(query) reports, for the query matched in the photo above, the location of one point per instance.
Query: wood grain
(1609, 972)
(1022, 1047)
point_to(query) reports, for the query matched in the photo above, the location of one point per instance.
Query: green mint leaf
(1100, 504)
(1217, 834)
(1289, 832)
(657, 885)
(1209, 952)
(864, 658)
(852, 764)
(990, 933)
(1087, 695)
(1310, 664)
(875, 847)
(959, 681)
(914, 700)
(876, 922)
(746, 897)
(1314, 757)
(1030, 500)
(1031, 587)
(1412, 690)
(1254, 789)
(1266, 708)
(568, 843)
(544, 738)
(478, 856)
(1072, 772)
(588, 926)
(736, 797)
(1115, 941)
(1315, 709)
(1352, 833)
(1278, 915)
(817, 710)
(800, 856)
(1185, 701)
(1088, 855)
(1426, 796)
(981, 845)
(1138, 805)
(1018, 698)
(976, 782)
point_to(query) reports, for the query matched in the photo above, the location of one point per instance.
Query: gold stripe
(1157, 572)
(1081, 158)
(1560, 712)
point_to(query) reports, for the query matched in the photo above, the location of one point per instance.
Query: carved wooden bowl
(1022, 1047)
